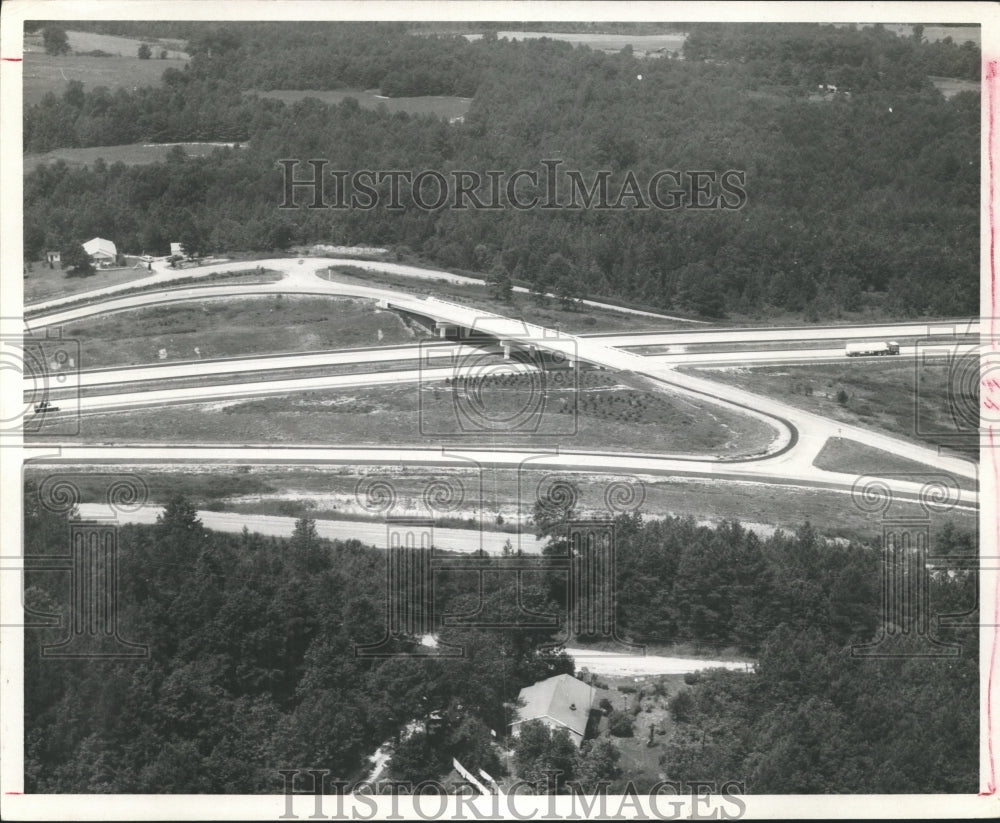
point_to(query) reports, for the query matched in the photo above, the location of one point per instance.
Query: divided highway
(799, 435)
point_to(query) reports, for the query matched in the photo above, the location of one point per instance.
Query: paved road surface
(374, 534)
(799, 436)
(164, 275)
(773, 471)
(611, 664)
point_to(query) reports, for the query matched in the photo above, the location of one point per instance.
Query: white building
(102, 252)
(560, 702)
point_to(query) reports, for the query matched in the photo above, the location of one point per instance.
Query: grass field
(84, 41)
(643, 45)
(574, 319)
(950, 86)
(917, 402)
(57, 284)
(448, 107)
(43, 283)
(843, 455)
(44, 72)
(614, 412)
(131, 154)
(231, 327)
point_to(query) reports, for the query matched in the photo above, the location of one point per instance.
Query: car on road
(45, 406)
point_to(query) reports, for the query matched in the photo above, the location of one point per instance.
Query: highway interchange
(798, 438)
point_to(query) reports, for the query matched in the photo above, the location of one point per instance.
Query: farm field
(131, 154)
(447, 107)
(117, 46)
(235, 327)
(45, 73)
(644, 45)
(950, 86)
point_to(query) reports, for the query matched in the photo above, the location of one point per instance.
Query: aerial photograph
(495, 409)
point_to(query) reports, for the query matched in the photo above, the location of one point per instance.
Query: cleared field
(450, 108)
(605, 412)
(42, 283)
(63, 286)
(338, 492)
(44, 72)
(950, 86)
(232, 327)
(574, 319)
(959, 34)
(843, 455)
(131, 154)
(80, 41)
(643, 45)
(921, 402)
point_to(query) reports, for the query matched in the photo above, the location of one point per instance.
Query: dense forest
(252, 665)
(862, 200)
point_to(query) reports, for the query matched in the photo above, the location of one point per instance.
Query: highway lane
(163, 275)
(789, 357)
(429, 351)
(232, 391)
(442, 352)
(875, 331)
(800, 435)
(303, 281)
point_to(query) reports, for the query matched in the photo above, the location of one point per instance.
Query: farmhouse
(176, 250)
(560, 702)
(102, 252)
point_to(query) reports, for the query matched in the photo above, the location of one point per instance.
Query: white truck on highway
(870, 349)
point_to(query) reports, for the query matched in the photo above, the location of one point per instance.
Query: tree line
(253, 664)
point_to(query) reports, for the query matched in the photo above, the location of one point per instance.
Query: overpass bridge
(800, 435)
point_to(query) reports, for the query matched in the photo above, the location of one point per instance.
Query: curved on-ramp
(781, 462)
